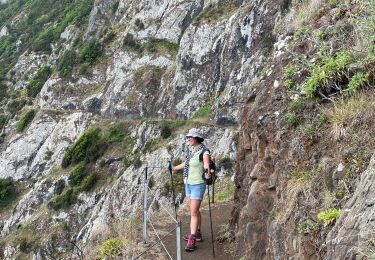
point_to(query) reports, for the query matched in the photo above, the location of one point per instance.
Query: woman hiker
(195, 167)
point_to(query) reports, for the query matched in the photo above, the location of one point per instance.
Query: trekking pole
(174, 198)
(212, 233)
(145, 209)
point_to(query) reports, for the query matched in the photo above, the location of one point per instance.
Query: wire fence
(147, 222)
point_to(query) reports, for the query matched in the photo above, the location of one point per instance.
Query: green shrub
(204, 111)
(59, 186)
(36, 84)
(127, 162)
(226, 162)
(8, 193)
(130, 43)
(88, 148)
(151, 145)
(3, 91)
(358, 80)
(137, 162)
(110, 248)
(5, 188)
(78, 174)
(307, 227)
(166, 130)
(109, 37)
(302, 176)
(140, 25)
(44, 39)
(226, 193)
(291, 119)
(212, 14)
(3, 120)
(66, 63)
(333, 69)
(161, 46)
(2, 138)
(309, 130)
(16, 105)
(329, 216)
(24, 245)
(115, 134)
(285, 5)
(91, 51)
(48, 155)
(288, 75)
(89, 182)
(25, 120)
(64, 200)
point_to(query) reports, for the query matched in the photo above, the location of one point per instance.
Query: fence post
(178, 240)
(145, 186)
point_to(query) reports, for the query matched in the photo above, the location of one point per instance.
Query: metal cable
(161, 242)
(161, 206)
(155, 243)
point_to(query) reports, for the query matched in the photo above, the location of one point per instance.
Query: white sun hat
(194, 132)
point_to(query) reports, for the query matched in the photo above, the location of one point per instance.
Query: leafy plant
(3, 120)
(24, 245)
(78, 174)
(59, 186)
(36, 84)
(291, 119)
(109, 37)
(66, 63)
(131, 44)
(302, 176)
(225, 193)
(16, 105)
(64, 200)
(48, 155)
(110, 248)
(89, 182)
(115, 134)
(166, 130)
(5, 188)
(204, 111)
(212, 14)
(309, 130)
(88, 148)
(329, 216)
(288, 75)
(306, 227)
(358, 80)
(332, 70)
(140, 25)
(155, 45)
(226, 162)
(25, 120)
(91, 51)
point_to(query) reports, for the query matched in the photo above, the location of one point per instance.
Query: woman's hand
(178, 167)
(206, 165)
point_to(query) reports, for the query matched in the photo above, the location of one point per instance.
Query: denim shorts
(195, 192)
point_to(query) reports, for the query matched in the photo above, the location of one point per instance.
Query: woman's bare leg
(194, 215)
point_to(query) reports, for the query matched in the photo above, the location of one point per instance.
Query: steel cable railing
(146, 219)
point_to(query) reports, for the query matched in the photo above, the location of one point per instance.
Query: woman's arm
(206, 164)
(178, 167)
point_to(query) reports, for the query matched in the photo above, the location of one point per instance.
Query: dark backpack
(212, 179)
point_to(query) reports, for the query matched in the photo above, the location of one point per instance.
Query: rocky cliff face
(137, 65)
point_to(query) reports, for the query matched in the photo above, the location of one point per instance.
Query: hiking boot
(198, 237)
(191, 244)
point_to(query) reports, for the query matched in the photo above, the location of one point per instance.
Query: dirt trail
(220, 216)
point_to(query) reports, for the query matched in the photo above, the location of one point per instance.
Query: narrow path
(220, 217)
